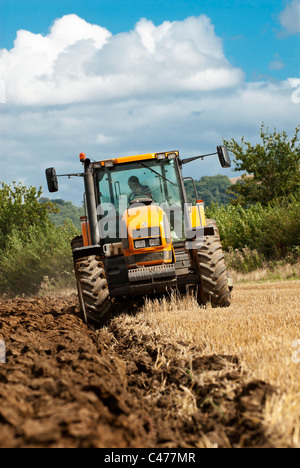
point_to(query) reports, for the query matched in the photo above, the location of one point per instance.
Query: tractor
(141, 237)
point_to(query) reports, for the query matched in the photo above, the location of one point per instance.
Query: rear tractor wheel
(215, 281)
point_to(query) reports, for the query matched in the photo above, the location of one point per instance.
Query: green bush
(244, 260)
(272, 231)
(45, 253)
(20, 210)
(33, 251)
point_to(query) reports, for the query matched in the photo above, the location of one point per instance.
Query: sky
(114, 78)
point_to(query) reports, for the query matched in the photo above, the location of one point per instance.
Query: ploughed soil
(122, 385)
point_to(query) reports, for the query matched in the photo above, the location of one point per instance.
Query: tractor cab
(122, 183)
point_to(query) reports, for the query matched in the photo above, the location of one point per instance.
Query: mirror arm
(71, 175)
(187, 160)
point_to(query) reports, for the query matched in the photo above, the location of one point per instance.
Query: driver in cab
(137, 189)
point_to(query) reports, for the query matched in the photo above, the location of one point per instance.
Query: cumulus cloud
(32, 69)
(79, 62)
(154, 88)
(290, 17)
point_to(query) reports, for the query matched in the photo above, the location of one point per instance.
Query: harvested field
(163, 374)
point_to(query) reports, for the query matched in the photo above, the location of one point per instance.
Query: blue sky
(127, 77)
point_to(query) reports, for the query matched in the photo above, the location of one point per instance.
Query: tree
(20, 210)
(32, 248)
(65, 210)
(272, 167)
(210, 189)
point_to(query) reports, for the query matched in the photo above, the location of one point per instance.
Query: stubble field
(164, 374)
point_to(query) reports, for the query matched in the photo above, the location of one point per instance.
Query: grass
(260, 328)
(279, 272)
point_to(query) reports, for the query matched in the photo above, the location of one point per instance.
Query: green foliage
(273, 231)
(20, 210)
(244, 260)
(46, 253)
(272, 167)
(209, 189)
(31, 246)
(65, 211)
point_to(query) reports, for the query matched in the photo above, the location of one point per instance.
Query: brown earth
(67, 385)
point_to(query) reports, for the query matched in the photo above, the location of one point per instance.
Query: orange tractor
(141, 237)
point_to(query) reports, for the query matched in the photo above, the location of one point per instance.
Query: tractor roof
(139, 157)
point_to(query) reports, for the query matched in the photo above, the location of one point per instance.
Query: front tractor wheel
(214, 277)
(92, 287)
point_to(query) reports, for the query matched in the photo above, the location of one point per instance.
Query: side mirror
(224, 157)
(52, 180)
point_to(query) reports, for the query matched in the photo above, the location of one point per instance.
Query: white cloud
(33, 68)
(276, 65)
(79, 62)
(290, 17)
(68, 30)
(151, 35)
(155, 88)
(103, 139)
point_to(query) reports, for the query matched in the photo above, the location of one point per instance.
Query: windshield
(123, 183)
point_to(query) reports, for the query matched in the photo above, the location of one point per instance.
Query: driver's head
(133, 182)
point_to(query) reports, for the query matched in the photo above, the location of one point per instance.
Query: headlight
(161, 155)
(139, 244)
(154, 242)
(109, 163)
(172, 155)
